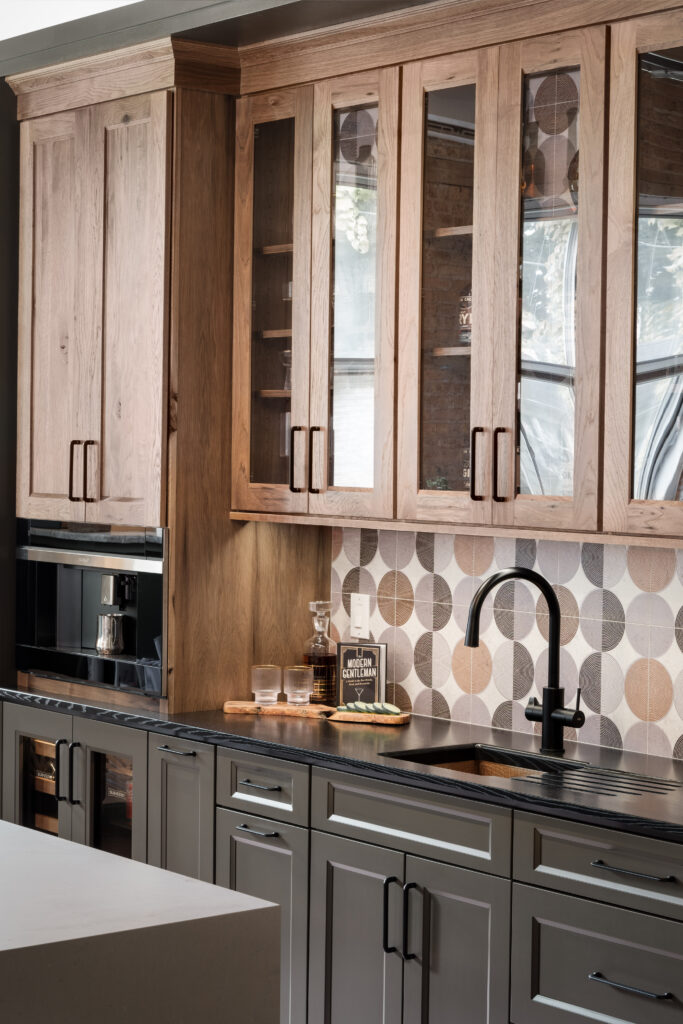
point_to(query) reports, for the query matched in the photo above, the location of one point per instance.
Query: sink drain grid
(603, 782)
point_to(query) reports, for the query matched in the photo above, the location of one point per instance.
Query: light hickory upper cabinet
(644, 398)
(99, 216)
(92, 327)
(315, 288)
(501, 285)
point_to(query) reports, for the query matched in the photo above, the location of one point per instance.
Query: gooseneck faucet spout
(552, 713)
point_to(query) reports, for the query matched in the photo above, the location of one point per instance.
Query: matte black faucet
(552, 713)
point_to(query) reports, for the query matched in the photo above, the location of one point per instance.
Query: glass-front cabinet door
(37, 749)
(644, 398)
(546, 352)
(271, 340)
(353, 289)
(448, 236)
(110, 788)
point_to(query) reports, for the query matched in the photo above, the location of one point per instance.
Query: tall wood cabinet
(95, 191)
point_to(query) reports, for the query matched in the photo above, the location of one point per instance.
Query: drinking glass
(299, 683)
(266, 682)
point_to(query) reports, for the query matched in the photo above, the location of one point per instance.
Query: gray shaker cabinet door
(181, 800)
(35, 769)
(269, 860)
(351, 978)
(110, 788)
(459, 931)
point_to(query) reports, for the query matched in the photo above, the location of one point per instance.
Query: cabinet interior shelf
(46, 823)
(276, 250)
(285, 332)
(454, 350)
(273, 393)
(452, 232)
(42, 785)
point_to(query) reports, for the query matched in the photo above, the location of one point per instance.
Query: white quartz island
(89, 937)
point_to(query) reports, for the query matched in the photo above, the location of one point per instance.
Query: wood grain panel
(381, 88)
(447, 26)
(586, 49)
(59, 236)
(145, 67)
(481, 69)
(126, 469)
(622, 513)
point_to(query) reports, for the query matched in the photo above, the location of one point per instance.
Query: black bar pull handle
(406, 909)
(72, 447)
(632, 874)
(597, 976)
(254, 832)
(496, 435)
(292, 433)
(256, 785)
(181, 753)
(72, 747)
(88, 444)
(58, 773)
(313, 431)
(385, 913)
(473, 465)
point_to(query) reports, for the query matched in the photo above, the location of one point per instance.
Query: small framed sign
(362, 672)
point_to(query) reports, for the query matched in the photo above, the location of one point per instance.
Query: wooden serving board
(368, 719)
(250, 707)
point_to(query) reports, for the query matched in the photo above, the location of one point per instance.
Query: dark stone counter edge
(532, 802)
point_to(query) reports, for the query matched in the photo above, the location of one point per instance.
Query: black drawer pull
(406, 908)
(181, 753)
(58, 772)
(71, 748)
(632, 874)
(597, 976)
(253, 832)
(256, 785)
(385, 913)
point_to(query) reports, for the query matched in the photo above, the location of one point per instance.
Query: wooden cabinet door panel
(353, 293)
(60, 234)
(272, 308)
(125, 465)
(448, 237)
(270, 860)
(643, 468)
(459, 927)
(351, 978)
(548, 315)
(181, 797)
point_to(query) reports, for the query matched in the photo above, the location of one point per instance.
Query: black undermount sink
(480, 759)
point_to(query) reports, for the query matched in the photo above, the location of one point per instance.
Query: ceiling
(234, 22)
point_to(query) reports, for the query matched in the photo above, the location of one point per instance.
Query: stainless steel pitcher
(109, 633)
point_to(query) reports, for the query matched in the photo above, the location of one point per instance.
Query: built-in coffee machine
(90, 604)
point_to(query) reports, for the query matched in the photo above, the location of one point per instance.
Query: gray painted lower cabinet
(269, 859)
(576, 961)
(181, 797)
(29, 738)
(402, 938)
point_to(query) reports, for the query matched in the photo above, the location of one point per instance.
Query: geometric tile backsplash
(622, 630)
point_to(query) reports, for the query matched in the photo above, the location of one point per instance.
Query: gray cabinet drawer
(443, 828)
(263, 785)
(578, 961)
(630, 871)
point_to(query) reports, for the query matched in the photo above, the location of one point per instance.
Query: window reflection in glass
(658, 379)
(446, 324)
(549, 230)
(354, 265)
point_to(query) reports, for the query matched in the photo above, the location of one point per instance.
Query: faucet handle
(533, 711)
(578, 718)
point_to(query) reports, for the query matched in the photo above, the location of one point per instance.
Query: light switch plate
(360, 616)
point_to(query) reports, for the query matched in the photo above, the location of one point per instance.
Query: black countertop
(361, 749)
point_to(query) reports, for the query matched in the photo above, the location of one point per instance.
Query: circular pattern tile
(479, 713)
(471, 667)
(513, 670)
(510, 715)
(569, 610)
(358, 581)
(432, 660)
(395, 598)
(651, 569)
(569, 673)
(474, 555)
(678, 748)
(602, 683)
(400, 698)
(602, 620)
(603, 564)
(558, 561)
(432, 703)
(648, 690)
